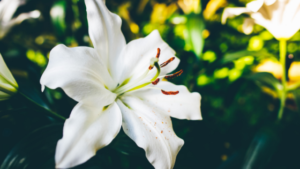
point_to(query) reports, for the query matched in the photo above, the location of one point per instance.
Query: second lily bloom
(280, 17)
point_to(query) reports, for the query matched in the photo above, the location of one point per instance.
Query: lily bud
(8, 85)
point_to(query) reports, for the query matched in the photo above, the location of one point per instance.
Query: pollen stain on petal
(161, 131)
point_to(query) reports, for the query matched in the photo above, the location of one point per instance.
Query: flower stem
(282, 50)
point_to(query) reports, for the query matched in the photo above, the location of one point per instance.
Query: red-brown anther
(169, 92)
(167, 62)
(174, 75)
(158, 53)
(155, 81)
(150, 67)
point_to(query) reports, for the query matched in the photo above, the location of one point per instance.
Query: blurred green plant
(228, 68)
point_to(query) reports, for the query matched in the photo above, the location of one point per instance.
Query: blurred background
(235, 74)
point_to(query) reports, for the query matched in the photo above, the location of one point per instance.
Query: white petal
(8, 8)
(138, 53)
(106, 35)
(7, 82)
(151, 131)
(275, 11)
(20, 18)
(248, 26)
(232, 12)
(87, 130)
(254, 6)
(295, 26)
(270, 2)
(261, 18)
(6, 26)
(184, 105)
(80, 73)
(291, 10)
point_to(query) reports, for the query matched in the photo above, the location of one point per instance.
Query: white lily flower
(115, 84)
(7, 10)
(8, 85)
(280, 17)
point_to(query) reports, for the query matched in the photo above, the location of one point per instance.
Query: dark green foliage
(239, 126)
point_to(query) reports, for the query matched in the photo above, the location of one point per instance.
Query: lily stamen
(155, 81)
(154, 63)
(176, 74)
(158, 53)
(167, 62)
(169, 92)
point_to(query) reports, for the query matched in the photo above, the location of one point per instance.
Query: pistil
(169, 92)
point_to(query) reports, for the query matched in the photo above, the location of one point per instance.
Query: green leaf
(28, 90)
(195, 27)
(229, 57)
(266, 79)
(36, 150)
(262, 148)
(31, 93)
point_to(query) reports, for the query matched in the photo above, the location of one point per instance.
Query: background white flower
(7, 10)
(8, 85)
(280, 17)
(112, 84)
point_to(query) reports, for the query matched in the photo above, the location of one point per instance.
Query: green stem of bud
(282, 44)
